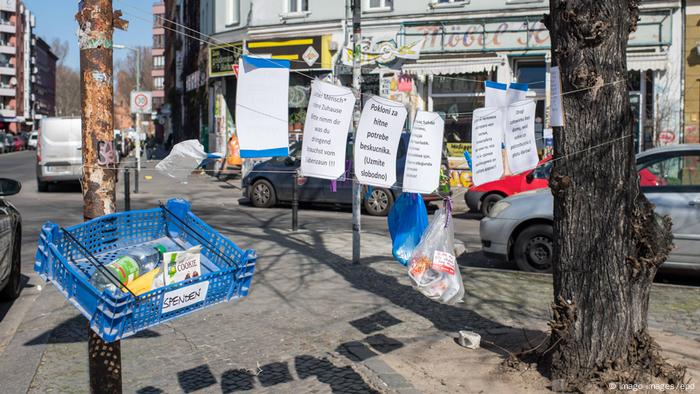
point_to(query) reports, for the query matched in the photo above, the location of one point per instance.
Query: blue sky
(56, 19)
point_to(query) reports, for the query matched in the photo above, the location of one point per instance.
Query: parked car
(10, 242)
(519, 228)
(482, 198)
(58, 153)
(270, 182)
(33, 138)
(17, 143)
(9, 143)
(3, 147)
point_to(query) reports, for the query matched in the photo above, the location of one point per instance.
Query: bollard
(295, 202)
(127, 190)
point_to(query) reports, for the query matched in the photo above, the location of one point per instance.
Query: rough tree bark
(608, 241)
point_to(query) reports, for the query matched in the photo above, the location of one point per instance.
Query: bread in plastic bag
(433, 266)
(407, 222)
(182, 160)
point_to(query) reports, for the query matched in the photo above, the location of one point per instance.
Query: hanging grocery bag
(433, 266)
(407, 222)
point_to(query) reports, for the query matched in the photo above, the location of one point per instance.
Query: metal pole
(138, 123)
(136, 180)
(97, 22)
(295, 202)
(127, 190)
(356, 84)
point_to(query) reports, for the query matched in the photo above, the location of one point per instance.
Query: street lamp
(137, 145)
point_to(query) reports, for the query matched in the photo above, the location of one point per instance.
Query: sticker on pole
(378, 136)
(141, 102)
(184, 297)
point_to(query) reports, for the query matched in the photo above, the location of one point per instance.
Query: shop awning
(643, 62)
(464, 66)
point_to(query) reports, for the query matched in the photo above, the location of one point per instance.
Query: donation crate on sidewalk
(68, 257)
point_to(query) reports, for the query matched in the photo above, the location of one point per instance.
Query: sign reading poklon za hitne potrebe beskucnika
(326, 130)
(377, 141)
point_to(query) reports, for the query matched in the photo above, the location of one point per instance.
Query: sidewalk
(313, 322)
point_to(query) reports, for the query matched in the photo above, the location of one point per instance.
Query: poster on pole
(556, 106)
(377, 140)
(261, 107)
(326, 130)
(487, 138)
(422, 171)
(496, 94)
(520, 137)
(141, 102)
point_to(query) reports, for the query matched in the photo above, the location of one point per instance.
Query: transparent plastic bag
(433, 266)
(182, 160)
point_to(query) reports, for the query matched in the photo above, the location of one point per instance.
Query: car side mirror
(9, 187)
(290, 161)
(529, 177)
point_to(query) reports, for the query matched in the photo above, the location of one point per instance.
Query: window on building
(159, 41)
(158, 61)
(232, 12)
(532, 72)
(456, 97)
(157, 20)
(298, 5)
(379, 4)
(159, 83)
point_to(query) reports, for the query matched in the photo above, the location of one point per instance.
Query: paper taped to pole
(487, 135)
(423, 157)
(520, 137)
(261, 107)
(326, 130)
(377, 140)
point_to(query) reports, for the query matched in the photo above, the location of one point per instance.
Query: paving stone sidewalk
(313, 322)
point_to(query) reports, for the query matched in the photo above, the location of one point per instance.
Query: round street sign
(667, 137)
(140, 100)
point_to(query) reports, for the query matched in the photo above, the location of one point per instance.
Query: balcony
(6, 48)
(7, 91)
(7, 27)
(7, 112)
(7, 69)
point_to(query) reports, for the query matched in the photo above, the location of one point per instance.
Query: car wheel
(379, 202)
(488, 202)
(42, 187)
(13, 287)
(263, 194)
(534, 249)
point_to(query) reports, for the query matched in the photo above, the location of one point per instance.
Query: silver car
(519, 228)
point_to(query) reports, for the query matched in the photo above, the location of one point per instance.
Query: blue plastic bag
(407, 220)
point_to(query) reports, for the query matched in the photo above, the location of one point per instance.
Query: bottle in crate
(128, 267)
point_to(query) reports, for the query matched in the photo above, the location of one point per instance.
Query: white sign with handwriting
(520, 137)
(487, 134)
(184, 296)
(422, 170)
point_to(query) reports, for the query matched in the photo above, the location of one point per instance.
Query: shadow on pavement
(74, 330)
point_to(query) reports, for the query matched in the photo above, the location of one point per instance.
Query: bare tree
(67, 82)
(608, 241)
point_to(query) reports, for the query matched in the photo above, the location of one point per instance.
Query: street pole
(97, 21)
(356, 84)
(138, 123)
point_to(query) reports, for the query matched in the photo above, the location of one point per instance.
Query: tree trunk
(608, 241)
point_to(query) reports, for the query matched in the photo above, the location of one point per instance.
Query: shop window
(232, 10)
(298, 6)
(532, 72)
(456, 97)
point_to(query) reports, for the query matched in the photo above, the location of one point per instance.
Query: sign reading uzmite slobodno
(223, 59)
(141, 102)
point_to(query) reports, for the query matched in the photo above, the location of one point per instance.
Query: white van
(58, 153)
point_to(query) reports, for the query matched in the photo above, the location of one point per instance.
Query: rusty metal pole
(96, 22)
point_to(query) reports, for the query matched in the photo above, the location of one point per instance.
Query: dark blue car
(270, 182)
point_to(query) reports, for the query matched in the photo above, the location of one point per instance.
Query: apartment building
(158, 71)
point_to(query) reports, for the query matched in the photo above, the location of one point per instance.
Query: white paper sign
(556, 106)
(326, 130)
(495, 94)
(184, 296)
(516, 92)
(487, 138)
(422, 171)
(262, 108)
(377, 141)
(520, 137)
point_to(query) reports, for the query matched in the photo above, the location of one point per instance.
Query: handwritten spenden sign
(184, 296)
(326, 130)
(520, 137)
(422, 171)
(487, 132)
(377, 141)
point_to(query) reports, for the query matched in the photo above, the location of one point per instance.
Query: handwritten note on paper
(487, 132)
(326, 131)
(422, 172)
(377, 141)
(520, 137)
(556, 106)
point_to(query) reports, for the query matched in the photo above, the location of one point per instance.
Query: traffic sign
(141, 102)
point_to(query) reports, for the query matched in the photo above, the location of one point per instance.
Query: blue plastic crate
(226, 269)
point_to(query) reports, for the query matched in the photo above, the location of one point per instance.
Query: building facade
(691, 85)
(158, 70)
(433, 55)
(44, 80)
